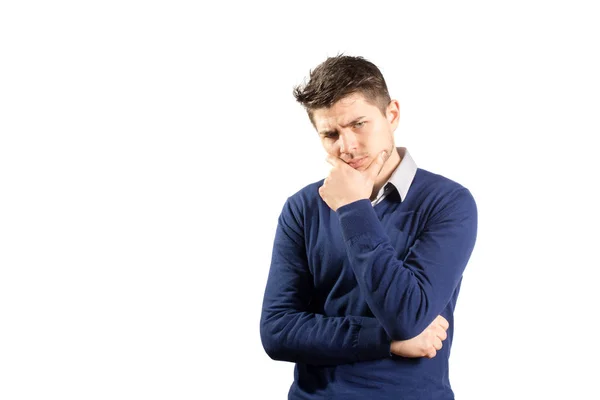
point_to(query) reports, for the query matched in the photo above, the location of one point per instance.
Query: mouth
(357, 163)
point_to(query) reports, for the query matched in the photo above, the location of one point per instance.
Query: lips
(357, 163)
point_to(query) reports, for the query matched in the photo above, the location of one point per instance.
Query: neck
(388, 169)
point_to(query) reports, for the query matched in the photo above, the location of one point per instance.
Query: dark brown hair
(338, 77)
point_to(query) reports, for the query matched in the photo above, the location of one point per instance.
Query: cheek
(383, 137)
(330, 147)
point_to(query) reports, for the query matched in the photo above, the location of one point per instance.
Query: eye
(360, 124)
(330, 135)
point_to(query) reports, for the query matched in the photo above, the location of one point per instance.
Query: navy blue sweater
(343, 285)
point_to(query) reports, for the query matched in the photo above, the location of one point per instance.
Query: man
(367, 263)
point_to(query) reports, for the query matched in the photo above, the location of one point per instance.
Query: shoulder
(436, 181)
(305, 200)
(306, 195)
(430, 182)
(432, 190)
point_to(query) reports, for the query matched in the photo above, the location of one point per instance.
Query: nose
(347, 140)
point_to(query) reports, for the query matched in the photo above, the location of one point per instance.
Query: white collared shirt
(401, 178)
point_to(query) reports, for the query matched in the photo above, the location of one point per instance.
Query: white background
(146, 150)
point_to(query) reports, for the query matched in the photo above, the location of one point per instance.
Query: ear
(392, 114)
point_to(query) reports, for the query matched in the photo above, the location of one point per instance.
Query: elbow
(271, 346)
(271, 341)
(413, 318)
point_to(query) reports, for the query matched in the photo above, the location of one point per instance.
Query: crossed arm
(406, 296)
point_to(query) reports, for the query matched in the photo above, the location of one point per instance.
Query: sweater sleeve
(289, 331)
(406, 295)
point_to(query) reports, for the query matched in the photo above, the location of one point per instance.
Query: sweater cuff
(358, 218)
(373, 341)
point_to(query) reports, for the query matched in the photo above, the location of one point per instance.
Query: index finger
(334, 160)
(443, 322)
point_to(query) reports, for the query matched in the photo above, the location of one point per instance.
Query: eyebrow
(354, 121)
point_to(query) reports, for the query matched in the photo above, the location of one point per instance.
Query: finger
(441, 333)
(377, 165)
(431, 353)
(334, 161)
(437, 343)
(443, 322)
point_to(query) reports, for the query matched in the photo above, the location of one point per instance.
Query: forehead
(343, 112)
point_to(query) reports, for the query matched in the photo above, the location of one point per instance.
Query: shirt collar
(402, 176)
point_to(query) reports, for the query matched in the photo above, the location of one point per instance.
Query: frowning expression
(356, 130)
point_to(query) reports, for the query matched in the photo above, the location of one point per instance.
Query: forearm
(319, 340)
(406, 295)
(290, 330)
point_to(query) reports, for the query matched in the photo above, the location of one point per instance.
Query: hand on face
(345, 185)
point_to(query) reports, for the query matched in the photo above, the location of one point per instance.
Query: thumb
(377, 165)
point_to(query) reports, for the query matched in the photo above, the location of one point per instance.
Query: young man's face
(355, 130)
